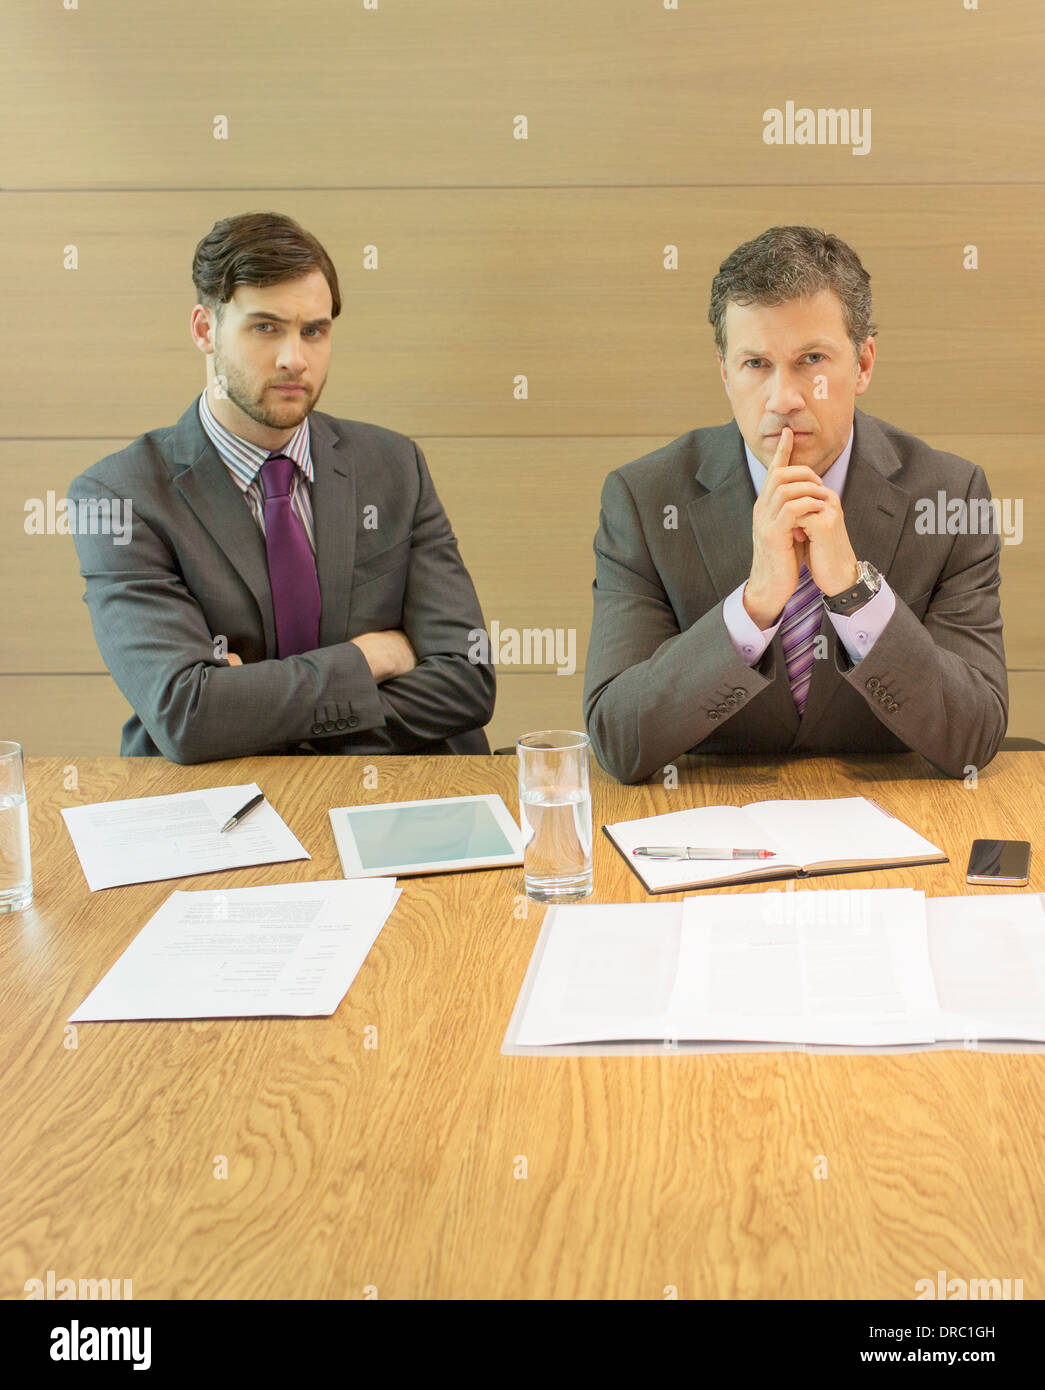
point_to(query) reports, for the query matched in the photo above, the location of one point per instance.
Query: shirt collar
(834, 477)
(244, 459)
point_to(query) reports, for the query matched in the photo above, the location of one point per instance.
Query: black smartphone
(999, 862)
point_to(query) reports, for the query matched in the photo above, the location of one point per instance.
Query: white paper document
(831, 966)
(988, 959)
(290, 949)
(156, 837)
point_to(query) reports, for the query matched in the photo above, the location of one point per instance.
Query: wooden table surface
(431, 1166)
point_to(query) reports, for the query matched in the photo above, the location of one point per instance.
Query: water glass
(16, 875)
(555, 814)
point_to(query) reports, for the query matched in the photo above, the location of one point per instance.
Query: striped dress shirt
(244, 461)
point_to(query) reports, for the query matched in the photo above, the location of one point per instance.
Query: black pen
(243, 811)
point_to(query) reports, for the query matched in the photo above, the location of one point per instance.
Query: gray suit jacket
(662, 676)
(195, 569)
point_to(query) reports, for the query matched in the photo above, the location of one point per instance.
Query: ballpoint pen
(243, 811)
(689, 852)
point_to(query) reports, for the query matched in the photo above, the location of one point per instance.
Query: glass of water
(555, 813)
(16, 875)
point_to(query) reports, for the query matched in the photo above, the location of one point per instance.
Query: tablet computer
(441, 835)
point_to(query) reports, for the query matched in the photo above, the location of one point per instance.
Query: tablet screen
(428, 834)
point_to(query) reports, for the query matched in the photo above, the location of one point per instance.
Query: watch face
(870, 576)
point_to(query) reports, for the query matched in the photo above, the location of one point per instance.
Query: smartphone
(1002, 862)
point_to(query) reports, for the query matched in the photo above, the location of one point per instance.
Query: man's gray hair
(786, 263)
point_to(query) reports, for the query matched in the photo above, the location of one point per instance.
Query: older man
(765, 586)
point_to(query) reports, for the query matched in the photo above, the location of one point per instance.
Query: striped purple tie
(292, 566)
(799, 626)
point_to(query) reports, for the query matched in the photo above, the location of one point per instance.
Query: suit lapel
(721, 517)
(875, 512)
(204, 482)
(721, 524)
(875, 508)
(334, 517)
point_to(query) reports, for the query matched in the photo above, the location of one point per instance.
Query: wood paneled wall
(395, 124)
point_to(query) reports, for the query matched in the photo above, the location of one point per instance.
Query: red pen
(689, 852)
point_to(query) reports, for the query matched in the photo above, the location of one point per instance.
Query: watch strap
(867, 585)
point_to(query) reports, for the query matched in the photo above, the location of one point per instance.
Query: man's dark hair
(786, 263)
(257, 248)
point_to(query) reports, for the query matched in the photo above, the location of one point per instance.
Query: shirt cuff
(749, 641)
(859, 631)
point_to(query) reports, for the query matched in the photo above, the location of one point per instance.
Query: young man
(766, 585)
(291, 582)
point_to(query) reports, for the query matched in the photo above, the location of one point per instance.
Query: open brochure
(870, 968)
(805, 837)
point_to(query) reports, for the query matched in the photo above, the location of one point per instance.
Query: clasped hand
(796, 521)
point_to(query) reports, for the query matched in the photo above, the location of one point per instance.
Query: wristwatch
(868, 582)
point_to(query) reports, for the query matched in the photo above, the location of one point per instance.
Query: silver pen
(690, 852)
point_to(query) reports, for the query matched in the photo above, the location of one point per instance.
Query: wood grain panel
(527, 703)
(397, 1166)
(1027, 704)
(477, 287)
(63, 716)
(415, 93)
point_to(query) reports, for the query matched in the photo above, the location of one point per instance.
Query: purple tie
(799, 626)
(292, 566)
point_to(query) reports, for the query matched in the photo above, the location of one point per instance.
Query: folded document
(873, 967)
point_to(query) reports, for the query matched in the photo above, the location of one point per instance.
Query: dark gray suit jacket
(195, 570)
(663, 678)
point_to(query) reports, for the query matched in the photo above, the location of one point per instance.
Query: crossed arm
(391, 691)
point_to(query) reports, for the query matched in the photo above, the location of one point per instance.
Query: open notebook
(807, 837)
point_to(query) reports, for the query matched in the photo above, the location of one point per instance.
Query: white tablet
(438, 836)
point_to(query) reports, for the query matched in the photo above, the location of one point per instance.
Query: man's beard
(276, 417)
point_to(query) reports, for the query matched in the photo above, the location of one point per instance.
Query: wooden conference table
(398, 1169)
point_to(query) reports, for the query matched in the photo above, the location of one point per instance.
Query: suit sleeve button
(353, 722)
(342, 723)
(317, 728)
(873, 684)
